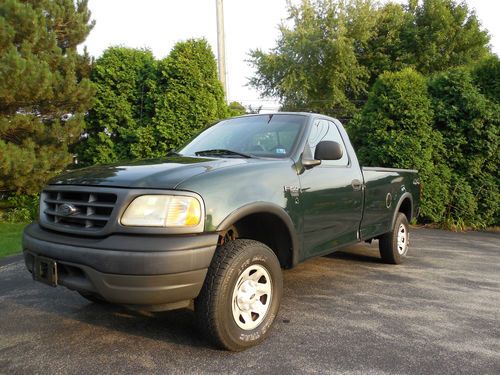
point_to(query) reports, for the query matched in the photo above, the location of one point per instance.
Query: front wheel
(394, 245)
(241, 295)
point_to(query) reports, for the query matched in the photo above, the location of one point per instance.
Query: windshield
(266, 136)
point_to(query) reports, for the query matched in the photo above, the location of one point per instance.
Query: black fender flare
(398, 206)
(267, 208)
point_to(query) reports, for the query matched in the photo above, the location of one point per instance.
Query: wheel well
(406, 208)
(266, 228)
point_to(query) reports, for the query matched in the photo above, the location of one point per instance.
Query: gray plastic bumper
(126, 269)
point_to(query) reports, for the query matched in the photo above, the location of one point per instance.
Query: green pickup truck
(212, 225)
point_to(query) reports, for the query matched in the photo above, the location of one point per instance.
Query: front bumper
(126, 269)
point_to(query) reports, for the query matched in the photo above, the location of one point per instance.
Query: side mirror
(308, 161)
(328, 150)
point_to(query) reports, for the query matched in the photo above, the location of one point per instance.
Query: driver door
(331, 199)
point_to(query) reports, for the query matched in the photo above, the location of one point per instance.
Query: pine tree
(44, 89)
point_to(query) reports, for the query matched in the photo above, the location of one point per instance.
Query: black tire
(94, 298)
(390, 251)
(215, 305)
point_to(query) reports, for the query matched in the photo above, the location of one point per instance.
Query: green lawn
(10, 238)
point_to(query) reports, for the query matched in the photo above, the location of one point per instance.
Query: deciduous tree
(314, 65)
(444, 34)
(330, 52)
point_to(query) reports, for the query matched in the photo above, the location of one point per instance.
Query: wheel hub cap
(402, 239)
(252, 296)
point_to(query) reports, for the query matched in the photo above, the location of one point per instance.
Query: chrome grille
(84, 210)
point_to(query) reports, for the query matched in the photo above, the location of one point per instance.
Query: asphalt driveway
(439, 313)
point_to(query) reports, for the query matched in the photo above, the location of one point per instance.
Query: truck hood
(160, 174)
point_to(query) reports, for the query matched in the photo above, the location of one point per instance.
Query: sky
(250, 24)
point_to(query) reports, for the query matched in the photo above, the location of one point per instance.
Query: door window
(324, 130)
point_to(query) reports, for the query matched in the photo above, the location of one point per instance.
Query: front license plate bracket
(45, 271)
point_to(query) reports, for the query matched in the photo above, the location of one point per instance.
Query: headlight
(162, 211)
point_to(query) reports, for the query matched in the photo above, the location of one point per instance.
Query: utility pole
(221, 49)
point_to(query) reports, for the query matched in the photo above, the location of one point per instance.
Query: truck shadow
(177, 327)
(356, 257)
(362, 252)
(59, 309)
(169, 328)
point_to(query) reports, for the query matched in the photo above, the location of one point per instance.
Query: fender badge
(293, 190)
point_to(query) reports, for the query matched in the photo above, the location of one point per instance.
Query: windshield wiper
(222, 152)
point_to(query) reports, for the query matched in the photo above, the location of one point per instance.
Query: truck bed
(384, 188)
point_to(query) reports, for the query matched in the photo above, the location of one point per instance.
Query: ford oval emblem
(66, 209)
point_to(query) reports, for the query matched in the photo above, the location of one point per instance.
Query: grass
(10, 238)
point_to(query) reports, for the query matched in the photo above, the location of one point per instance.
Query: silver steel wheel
(402, 239)
(252, 296)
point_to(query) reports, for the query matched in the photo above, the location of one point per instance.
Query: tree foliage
(444, 127)
(445, 34)
(387, 49)
(486, 77)
(145, 107)
(395, 129)
(189, 94)
(329, 53)
(314, 64)
(236, 109)
(44, 89)
(469, 124)
(125, 80)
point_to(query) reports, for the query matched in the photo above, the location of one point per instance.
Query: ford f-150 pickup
(211, 225)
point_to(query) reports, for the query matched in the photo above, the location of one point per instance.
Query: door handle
(356, 185)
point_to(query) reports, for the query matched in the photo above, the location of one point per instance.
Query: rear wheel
(241, 295)
(394, 245)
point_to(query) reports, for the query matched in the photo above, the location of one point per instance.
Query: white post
(221, 49)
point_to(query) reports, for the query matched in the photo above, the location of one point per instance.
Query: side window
(323, 130)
